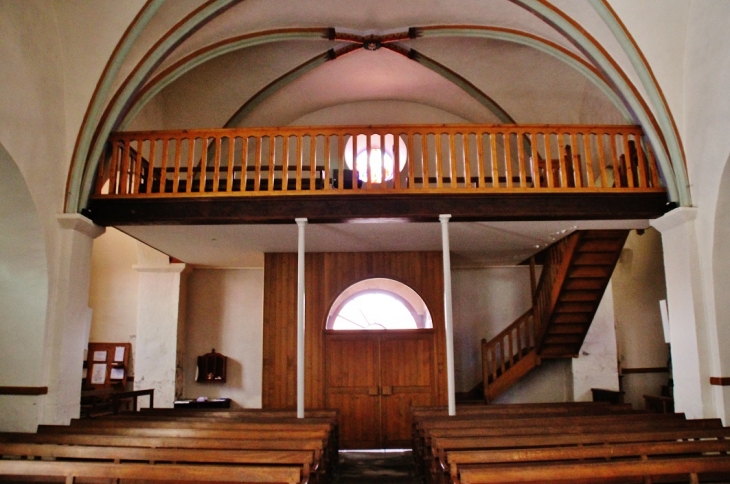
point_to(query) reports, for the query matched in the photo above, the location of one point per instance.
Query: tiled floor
(376, 467)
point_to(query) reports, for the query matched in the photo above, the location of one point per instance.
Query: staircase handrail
(553, 276)
(520, 337)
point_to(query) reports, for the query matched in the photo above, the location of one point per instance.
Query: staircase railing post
(448, 315)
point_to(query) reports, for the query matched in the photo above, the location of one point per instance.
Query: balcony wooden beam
(111, 211)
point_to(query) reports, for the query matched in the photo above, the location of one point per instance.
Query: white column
(69, 323)
(448, 314)
(158, 314)
(301, 224)
(685, 299)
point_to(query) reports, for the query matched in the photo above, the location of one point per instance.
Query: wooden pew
(68, 471)
(303, 459)
(473, 460)
(686, 468)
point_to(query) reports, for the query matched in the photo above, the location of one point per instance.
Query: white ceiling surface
(472, 243)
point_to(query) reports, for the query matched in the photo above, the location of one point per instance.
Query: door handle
(373, 391)
(387, 390)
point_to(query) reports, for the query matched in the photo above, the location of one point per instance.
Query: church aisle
(380, 467)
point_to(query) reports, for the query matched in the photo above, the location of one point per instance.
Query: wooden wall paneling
(327, 275)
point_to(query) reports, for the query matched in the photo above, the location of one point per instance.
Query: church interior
(382, 210)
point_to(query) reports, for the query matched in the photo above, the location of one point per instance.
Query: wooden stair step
(566, 328)
(558, 351)
(571, 318)
(560, 339)
(601, 245)
(595, 259)
(580, 296)
(584, 284)
(575, 307)
(591, 272)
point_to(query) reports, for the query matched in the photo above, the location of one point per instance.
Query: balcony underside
(279, 208)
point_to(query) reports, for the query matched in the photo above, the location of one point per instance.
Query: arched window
(379, 304)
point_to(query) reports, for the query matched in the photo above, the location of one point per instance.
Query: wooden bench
(303, 459)
(473, 460)
(68, 471)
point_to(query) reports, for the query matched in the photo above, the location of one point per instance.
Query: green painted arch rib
(670, 167)
(662, 113)
(202, 56)
(543, 45)
(82, 184)
(101, 94)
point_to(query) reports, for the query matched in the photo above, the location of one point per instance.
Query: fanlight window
(380, 156)
(379, 304)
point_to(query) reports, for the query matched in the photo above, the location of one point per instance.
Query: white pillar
(685, 299)
(448, 314)
(158, 326)
(69, 323)
(301, 224)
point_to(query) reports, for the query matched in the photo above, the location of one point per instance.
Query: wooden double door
(373, 378)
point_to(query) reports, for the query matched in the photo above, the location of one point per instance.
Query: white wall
(225, 311)
(638, 285)
(114, 290)
(485, 301)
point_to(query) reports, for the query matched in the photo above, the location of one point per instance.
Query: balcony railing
(371, 160)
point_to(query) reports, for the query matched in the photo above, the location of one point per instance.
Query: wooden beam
(317, 208)
(23, 390)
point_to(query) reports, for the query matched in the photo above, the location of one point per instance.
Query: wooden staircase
(574, 277)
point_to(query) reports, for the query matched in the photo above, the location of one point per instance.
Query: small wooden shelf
(212, 368)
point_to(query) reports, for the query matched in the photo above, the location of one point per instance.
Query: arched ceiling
(194, 63)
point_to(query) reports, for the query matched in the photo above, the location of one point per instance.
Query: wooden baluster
(602, 160)
(257, 163)
(562, 161)
(244, 162)
(382, 160)
(495, 362)
(424, 157)
(576, 161)
(203, 163)
(299, 161)
(652, 166)
(588, 160)
(467, 159)
(501, 353)
(480, 160)
(520, 346)
(113, 168)
(217, 163)
(151, 165)
(396, 160)
(641, 162)
(190, 175)
(439, 161)
(495, 161)
(162, 188)
(270, 164)
(616, 162)
(326, 157)
(521, 159)
(535, 161)
(368, 150)
(125, 169)
(231, 161)
(355, 171)
(312, 159)
(452, 159)
(511, 349)
(285, 162)
(341, 162)
(101, 170)
(411, 163)
(508, 157)
(629, 162)
(548, 161)
(137, 168)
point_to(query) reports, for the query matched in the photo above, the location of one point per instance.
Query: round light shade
(380, 157)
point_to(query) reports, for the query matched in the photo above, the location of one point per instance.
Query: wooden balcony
(474, 172)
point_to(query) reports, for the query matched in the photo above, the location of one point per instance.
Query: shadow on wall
(721, 269)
